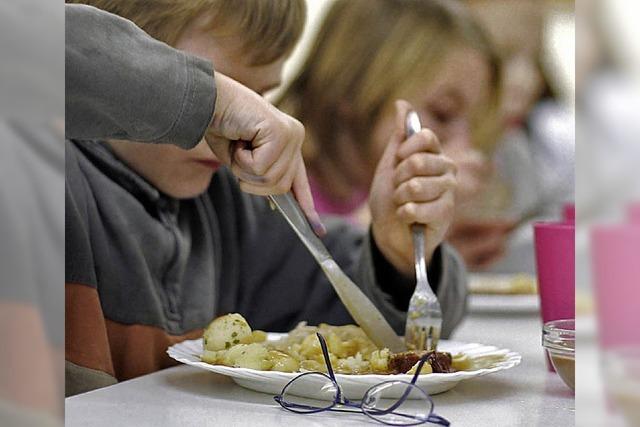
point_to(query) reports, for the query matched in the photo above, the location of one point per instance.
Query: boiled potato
(212, 357)
(353, 365)
(310, 347)
(426, 369)
(256, 336)
(336, 346)
(313, 365)
(225, 332)
(229, 357)
(350, 348)
(294, 351)
(461, 362)
(283, 362)
(252, 356)
(379, 360)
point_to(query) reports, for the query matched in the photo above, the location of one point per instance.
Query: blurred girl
(369, 53)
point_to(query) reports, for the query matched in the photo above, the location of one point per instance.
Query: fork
(424, 317)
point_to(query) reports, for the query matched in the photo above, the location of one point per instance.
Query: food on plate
(407, 362)
(230, 341)
(503, 284)
(226, 331)
(462, 362)
(283, 362)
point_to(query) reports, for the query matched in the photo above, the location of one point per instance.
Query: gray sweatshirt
(144, 270)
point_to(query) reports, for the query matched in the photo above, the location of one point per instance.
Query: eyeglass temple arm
(421, 363)
(437, 419)
(406, 393)
(325, 353)
(327, 360)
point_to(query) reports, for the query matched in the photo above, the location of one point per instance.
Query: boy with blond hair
(159, 239)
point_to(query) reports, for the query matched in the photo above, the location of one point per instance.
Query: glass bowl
(559, 339)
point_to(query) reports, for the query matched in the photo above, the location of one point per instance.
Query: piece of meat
(400, 363)
(440, 362)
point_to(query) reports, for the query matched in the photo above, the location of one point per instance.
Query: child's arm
(123, 84)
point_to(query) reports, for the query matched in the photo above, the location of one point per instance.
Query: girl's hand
(414, 183)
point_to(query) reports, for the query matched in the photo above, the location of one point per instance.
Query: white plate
(502, 284)
(354, 386)
(503, 303)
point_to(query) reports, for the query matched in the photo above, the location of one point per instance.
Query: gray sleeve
(121, 83)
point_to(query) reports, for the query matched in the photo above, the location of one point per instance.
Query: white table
(527, 395)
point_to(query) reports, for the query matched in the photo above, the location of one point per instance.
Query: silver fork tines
(424, 317)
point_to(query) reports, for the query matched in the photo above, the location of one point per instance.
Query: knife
(366, 315)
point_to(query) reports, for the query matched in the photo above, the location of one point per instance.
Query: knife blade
(363, 311)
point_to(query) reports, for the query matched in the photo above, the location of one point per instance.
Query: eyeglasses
(394, 402)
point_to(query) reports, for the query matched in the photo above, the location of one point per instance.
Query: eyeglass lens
(310, 384)
(397, 403)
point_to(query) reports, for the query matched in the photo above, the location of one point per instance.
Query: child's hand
(261, 144)
(414, 183)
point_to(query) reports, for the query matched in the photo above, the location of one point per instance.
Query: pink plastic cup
(555, 262)
(569, 212)
(634, 213)
(616, 276)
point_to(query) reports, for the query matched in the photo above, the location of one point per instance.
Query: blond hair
(269, 28)
(369, 53)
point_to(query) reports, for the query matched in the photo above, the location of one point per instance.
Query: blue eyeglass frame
(341, 400)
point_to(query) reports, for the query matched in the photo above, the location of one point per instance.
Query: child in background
(534, 160)
(160, 240)
(370, 52)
